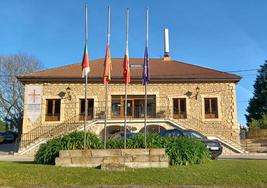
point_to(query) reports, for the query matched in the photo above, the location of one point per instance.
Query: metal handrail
(47, 131)
(98, 113)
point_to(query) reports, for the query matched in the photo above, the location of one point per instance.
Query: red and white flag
(85, 63)
(126, 67)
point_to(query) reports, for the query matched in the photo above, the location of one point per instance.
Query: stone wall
(226, 124)
(111, 159)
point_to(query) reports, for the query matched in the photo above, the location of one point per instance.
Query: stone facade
(226, 125)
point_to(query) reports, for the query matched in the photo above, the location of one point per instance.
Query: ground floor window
(90, 109)
(211, 108)
(52, 110)
(179, 108)
(135, 106)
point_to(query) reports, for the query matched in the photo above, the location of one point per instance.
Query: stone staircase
(255, 145)
(229, 138)
(31, 141)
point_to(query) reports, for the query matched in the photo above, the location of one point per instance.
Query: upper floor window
(179, 108)
(90, 109)
(52, 110)
(211, 107)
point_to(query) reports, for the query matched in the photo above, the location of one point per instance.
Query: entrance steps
(255, 145)
(33, 147)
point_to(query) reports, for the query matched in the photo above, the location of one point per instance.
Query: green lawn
(223, 173)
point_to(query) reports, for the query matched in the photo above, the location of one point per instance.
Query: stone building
(180, 95)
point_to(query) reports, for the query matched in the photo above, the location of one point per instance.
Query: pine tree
(257, 106)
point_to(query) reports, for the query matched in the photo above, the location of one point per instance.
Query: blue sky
(220, 34)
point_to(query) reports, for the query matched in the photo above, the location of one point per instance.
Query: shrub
(181, 151)
(49, 151)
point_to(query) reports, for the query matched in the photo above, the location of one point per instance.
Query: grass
(221, 173)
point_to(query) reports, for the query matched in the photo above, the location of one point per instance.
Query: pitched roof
(171, 71)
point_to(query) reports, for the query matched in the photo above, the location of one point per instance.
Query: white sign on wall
(34, 102)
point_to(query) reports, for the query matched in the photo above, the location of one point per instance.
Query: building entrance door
(139, 108)
(135, 106)
(130, 103)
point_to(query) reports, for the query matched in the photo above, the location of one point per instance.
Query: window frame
(179, 115)
(119, 99)
(53, 116)
(90, 115)
(211, 115)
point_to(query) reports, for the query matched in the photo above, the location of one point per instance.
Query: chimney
(166, 45)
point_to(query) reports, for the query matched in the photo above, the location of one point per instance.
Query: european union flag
(146, 76)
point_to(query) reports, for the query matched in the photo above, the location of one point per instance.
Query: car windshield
(196, 135)
(193, 134)
(172, 133)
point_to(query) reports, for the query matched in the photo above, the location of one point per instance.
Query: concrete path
(16, 158)
(248, 156)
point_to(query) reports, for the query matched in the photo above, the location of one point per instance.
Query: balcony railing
(158, 112)
(52, 117)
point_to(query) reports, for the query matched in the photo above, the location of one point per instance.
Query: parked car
(214, 146)
(8, 136)
(120, 135)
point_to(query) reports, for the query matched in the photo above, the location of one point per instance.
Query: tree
(11, 90)
(257, 106)
(2, 126)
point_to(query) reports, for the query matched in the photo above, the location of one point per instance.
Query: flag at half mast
(146, 76)
(107, 66)
(85, 63)
(126, 67)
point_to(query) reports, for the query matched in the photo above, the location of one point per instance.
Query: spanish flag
(107, 66)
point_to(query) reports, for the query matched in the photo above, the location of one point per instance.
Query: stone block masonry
(114, 159)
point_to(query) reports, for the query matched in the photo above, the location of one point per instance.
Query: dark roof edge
(133, 79)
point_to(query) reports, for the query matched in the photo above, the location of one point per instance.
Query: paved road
(8, 148)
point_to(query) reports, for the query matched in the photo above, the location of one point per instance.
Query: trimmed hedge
(181, 151)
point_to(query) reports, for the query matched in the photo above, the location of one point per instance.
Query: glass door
(139, 108)
(129, 107)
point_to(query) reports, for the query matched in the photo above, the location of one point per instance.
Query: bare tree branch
(11, 90)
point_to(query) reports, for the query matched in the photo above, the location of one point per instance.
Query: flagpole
(85, 90)
(125, 103)
(146, 81)
(106, 87)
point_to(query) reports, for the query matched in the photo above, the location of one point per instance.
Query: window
(90, 109)
(193, 134)
(116, 106)
(52, 110)
(211, 108)
(173, 133)
(179, 108)
(135, 106)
